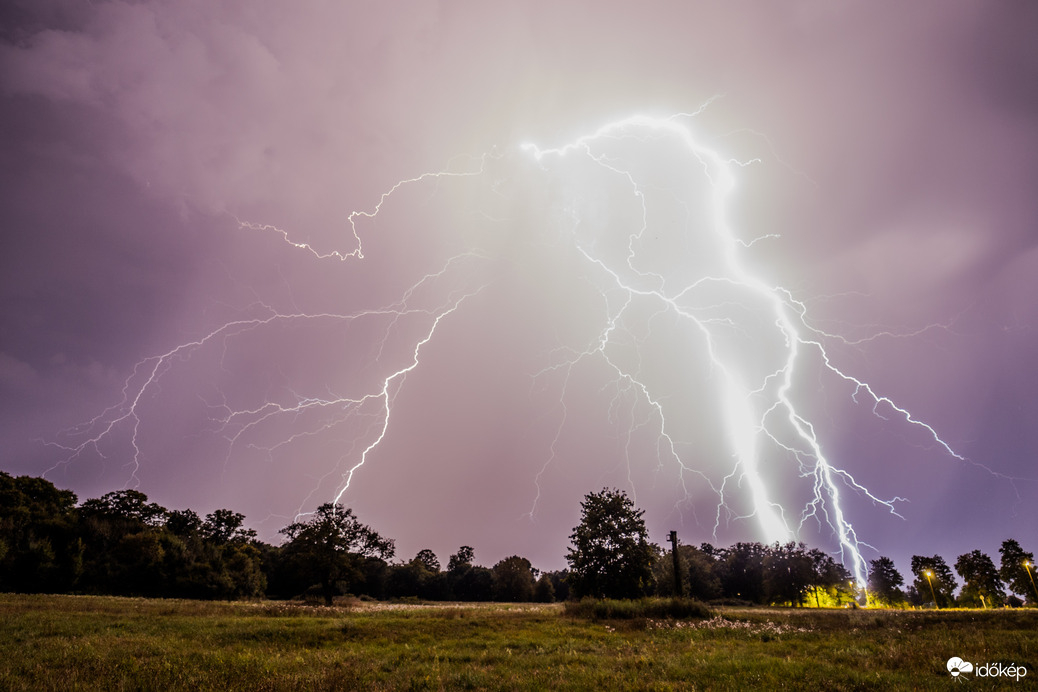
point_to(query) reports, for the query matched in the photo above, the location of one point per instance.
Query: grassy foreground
(84, 642)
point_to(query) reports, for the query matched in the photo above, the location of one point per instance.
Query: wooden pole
(677, 564)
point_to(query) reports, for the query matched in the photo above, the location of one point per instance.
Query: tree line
(792, 574)
(984, 585)
(122, 544)
(612, 557)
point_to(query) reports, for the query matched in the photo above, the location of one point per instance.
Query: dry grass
(79, 642)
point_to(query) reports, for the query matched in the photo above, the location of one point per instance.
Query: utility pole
(677, 570)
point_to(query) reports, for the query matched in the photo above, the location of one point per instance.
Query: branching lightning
(752, 338)
(232, 424)
(750, 404)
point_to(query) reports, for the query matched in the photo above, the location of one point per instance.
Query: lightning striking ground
(666, 264)
(750, 402)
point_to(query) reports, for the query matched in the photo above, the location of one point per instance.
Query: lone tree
(513, 579)
(611, 556)
(982, 584)
(885, 582)
(1014, 572)
(331, 545)
(933, 580)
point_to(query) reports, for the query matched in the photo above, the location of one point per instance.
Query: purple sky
(895, 154)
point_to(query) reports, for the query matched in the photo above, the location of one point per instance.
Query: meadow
(90, 642)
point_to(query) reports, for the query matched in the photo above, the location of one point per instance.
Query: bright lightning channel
(748, 424)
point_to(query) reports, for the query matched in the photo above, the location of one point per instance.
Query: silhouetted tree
(885, 582)
(513, 580)
(428, 559)
(474, 584)
(543, 590)
(124, 553)
(559, 583)
(611, 556)
(701, 568)
(128, 511)
(371, 581)
(459, 564)
(214, 558)
(120, 543)
(982, 585)
(940, 578)
(788, 572)
(242, 562)
(461, 559)
(224, 526)
(39, 548)
(1013, 571)
(331, 545)
(183, 522)
(663, 573)
(741, 570)
(138, 561)
(432, 584)
(699, 580)
(405, 580)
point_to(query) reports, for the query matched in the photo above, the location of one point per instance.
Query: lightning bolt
(681, 273)
(758, 408)
(233, 424)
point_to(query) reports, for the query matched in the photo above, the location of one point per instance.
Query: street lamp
(1027, 566)
(928, 575)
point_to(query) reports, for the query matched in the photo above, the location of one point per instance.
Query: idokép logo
(956, 666)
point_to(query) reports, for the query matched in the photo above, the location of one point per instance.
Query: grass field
(84, 642)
